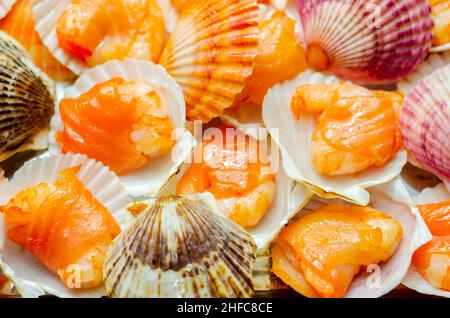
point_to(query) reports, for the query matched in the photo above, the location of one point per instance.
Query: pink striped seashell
(366, 41)
(425, 123)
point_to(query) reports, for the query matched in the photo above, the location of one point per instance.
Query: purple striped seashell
(425, 123)
(366, 41)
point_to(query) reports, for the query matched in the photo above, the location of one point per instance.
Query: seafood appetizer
(58, 218)
(424, 121)
(361, 41)
(441, 17)
(337, 137)
(248, 186)
(194, 253)
(85, 33)
(26, 101)
(211, 53)
(126, 115)
(430, 269)
(236, 172)
(336, 250)
(19, 24)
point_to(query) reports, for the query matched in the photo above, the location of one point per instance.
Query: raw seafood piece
(441, 17)
(64, 226)
(233, 168)
(122, 124)
(321, 252)
(432, 260)
(102, 30)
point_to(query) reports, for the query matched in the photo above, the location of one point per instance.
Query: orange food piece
(118, 123)
(437, 217)
(432, 260)
(101, 30)
(234, 171)
(19, 23)
(357, 129)
(59, 223)
(320, 253)
(280, 57)
(441, 18)
(317, 58)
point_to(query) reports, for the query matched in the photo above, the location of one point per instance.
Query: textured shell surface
(180, 247)
(425, 123)
(375, 41)
(26, 101)
(211, 52)
(5, 6)
(431, 64)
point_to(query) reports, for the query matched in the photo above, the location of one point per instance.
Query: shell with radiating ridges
(211, 53)
(425, 123)
(26, 101)
(179, 247)
(375, 41)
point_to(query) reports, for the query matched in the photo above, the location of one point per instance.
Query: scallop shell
(151, 178)
(369, 42)
(179, 247)
(294, 138)
(431, 64)
(26, 101)
(170, 13)
(425, 123)
(413, 279)
(392, 198)
(5, 7)
(211, 52)
(19, 24)
(31, 278)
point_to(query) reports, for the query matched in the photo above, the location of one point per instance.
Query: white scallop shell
(31, 278)
(294, 138)
(392, 198)
(413, 279)
(180, 247)
(5, 7)
(151, 178)
(431, 64)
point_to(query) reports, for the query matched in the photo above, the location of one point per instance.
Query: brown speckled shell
(26, 100)
(178, 247)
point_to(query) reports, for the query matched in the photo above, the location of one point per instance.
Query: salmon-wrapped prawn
(357, 129)
(96, 31)
(122, 124)
(234, 171)
(319, 254)
(433, 259)
(65, 227)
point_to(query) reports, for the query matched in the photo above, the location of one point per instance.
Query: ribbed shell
(26, 99)
(211, 52)
(179, 248)
(369, 41)
(425, 123)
